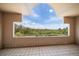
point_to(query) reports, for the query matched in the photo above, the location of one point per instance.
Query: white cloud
(29, 23)
(45, 26)
(34, 14)
(55, 20)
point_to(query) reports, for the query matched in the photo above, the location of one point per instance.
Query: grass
(24, 31)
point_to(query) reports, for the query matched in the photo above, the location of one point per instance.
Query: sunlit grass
(22, 31)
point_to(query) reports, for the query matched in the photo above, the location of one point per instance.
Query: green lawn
(22, 31)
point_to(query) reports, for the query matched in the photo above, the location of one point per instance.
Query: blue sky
(43, 16)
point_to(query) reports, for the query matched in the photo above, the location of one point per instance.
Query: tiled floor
(58, 50)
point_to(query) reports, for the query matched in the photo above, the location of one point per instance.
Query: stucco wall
(77, 30)
(9, 41)
(0, 30)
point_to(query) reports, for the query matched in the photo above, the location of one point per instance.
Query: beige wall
(71, 20)
(9, 41)
(0, 30)
(77, 30)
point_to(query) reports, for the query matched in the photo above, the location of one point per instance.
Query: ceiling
(62, 9)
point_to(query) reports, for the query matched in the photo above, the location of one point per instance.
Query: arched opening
(42, 21)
